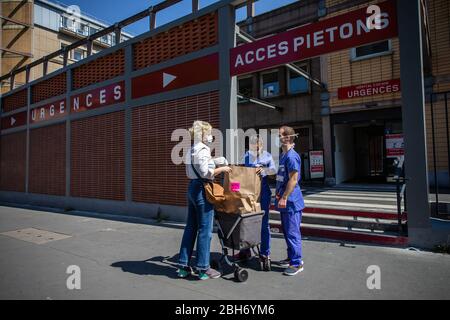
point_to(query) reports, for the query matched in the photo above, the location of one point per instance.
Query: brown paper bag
(242, 190)
(243, 181)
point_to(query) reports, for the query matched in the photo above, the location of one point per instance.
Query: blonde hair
(198, 129)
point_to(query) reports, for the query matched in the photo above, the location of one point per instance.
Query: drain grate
(36, 236)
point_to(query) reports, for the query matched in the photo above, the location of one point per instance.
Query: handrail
(149, 12)
(400, 184)
(115, 28)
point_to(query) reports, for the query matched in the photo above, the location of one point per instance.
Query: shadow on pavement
(167, 266)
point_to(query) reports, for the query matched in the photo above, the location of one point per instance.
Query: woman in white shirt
(199, 166)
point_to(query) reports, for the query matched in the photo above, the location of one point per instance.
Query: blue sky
(115, 10)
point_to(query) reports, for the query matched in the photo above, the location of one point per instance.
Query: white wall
(344, 154)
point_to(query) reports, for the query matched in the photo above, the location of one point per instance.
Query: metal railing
(436, 131)
(116, 29)
(88, 41)
(400, 183)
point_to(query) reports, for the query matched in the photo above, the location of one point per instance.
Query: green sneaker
(184, 272)
(209, 274)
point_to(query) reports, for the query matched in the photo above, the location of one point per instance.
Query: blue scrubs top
(265, 161)
(290, 162)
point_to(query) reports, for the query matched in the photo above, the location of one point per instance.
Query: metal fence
(438, 146)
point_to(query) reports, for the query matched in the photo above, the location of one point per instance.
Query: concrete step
(352, 213)
(347, 222)
(342, 234)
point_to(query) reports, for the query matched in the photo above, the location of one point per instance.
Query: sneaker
(242, 256)
(284, 263)
(209, 274)
(293, 270)
(184, 272)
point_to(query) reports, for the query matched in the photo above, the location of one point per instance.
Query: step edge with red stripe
(351, 213)
(350, 235)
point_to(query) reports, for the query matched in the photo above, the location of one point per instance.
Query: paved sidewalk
(127, 260)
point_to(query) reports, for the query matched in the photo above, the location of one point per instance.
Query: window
(82, 29)
(270, 84)
(106, 39)
(64, 22)
(78, 54)
(93, 30)
(246, 86)
(371, 50)
(296, 82)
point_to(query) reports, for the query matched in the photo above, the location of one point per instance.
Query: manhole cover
(36, 236)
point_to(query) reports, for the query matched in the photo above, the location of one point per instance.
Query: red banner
(369, 89)
(49, 111)
(341, 32)
(182, 75)
(114, 93)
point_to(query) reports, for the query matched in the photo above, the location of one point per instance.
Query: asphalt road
(134, 259)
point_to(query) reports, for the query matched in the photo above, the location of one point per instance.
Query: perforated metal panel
(189, 37)
(15, 101)
(12, 154)
(155, 178)
(98, 157)
(99, 70)
(47, 169)
(52, 87)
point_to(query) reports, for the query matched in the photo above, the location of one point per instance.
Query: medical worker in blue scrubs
(289, 201)
(256, 157)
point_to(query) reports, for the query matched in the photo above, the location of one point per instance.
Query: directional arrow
(14, 121)
(186, 74)
(167, 79)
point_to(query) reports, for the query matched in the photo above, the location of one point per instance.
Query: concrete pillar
(413, 105)
(227, 84)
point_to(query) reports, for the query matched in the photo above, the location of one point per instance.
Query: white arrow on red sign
(12, 121)
(176, 77)
(167, 79)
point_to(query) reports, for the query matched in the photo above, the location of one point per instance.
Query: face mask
(209, 139)
(278, 143)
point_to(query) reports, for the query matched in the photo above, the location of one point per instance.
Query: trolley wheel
(265, 264)
(241, 275)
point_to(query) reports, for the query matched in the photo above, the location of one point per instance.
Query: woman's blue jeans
(199, 226)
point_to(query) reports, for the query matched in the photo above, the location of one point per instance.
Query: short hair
(289, 131)
(198, 129)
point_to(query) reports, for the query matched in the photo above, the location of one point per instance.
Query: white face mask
(209, 139)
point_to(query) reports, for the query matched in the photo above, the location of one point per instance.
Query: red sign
(337, 33)
(369, 89)
(16, 120)
(186, 74)
(48, 111)
(114, 93)
(394, 145)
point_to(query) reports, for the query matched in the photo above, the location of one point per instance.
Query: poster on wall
(316, 166)
(394, 145)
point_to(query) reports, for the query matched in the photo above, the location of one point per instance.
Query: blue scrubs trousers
(290, 222)
(199, 226)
